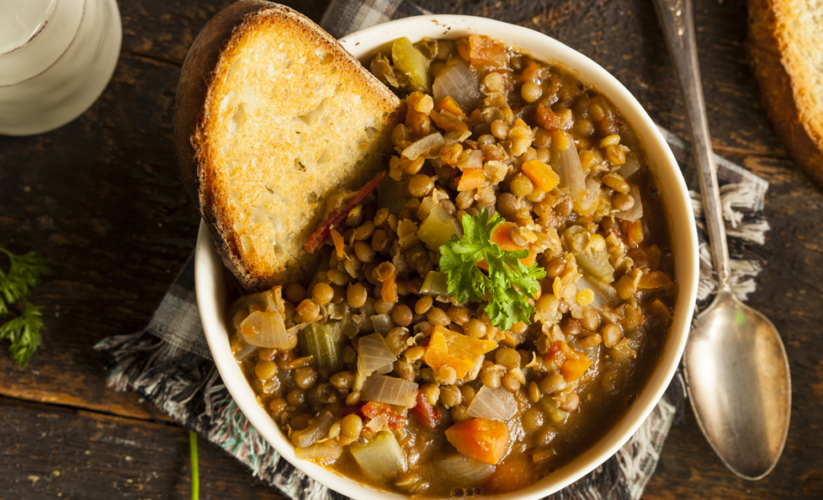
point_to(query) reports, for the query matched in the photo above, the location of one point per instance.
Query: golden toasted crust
(272, 117)
(783, 45)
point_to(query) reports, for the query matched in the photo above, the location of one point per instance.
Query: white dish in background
(55, 64)
(210, 279)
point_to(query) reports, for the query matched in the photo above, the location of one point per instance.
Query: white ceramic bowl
(210, 281)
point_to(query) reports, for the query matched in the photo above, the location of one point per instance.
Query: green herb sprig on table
(509, 283)
(20, 320)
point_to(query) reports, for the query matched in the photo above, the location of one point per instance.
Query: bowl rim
(363, 44)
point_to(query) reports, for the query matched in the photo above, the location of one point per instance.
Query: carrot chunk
(541, 175)
(514, 473)
(573, 364)
(481, 439)
(451, 349)
(481, 50)
(472, 178)
(449, 104)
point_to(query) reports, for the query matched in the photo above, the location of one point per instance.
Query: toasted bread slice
(786, 48)
(272, 117)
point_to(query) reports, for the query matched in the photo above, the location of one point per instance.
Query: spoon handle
(678, 26)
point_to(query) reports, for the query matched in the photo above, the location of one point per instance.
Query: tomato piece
(373, 409)
(425, 414)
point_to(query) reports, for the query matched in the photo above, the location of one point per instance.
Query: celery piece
(435, 285)
(438, 228)
(381, 458)
(555, 414)
(324, 341)
(411, 62)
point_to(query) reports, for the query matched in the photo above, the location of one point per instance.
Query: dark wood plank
(81, 454)
(101, 200)
(164, 29)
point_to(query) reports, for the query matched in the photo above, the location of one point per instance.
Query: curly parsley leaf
(24, 334)
(23, 329)
(508, 284)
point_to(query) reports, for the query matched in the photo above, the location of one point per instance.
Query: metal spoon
(737, 371)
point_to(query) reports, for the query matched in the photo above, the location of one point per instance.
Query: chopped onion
(592, 193)
(244, 352)
(373, 354)
(636, 211)
(267, 329)
(382, 323)
(390, 390)
(425, 207)
(460, 83)
(631, 166)
(493, 404)
(604, 294)
(473, 160)
(465, 470)
(315, 431)
(327, 450)
(572, 177)
(424, 145)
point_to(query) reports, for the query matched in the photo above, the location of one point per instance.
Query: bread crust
(786, 84)
(208, 58)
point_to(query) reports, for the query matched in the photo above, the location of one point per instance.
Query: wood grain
(101, 200)
(81, 454)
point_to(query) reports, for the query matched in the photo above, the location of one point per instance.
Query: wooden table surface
(101, 199)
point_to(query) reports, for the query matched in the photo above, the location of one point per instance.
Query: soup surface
(487, 308)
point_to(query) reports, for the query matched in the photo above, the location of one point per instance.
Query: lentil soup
(487, 308)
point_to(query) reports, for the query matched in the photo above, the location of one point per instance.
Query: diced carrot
(424, 413)
(541, 175)
(449, 104)
(574, 368)
(451, 349)
(514, 473)
(337, 238)
(654, 280)
(448, 121)
(388, 292)
(486, 51)
(500, 236)
(481, 439)
(573, 364)
(472, 178)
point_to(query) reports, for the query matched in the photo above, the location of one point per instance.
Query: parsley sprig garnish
(509, 283)
(23, 327)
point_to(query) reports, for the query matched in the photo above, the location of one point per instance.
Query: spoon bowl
(739, 385)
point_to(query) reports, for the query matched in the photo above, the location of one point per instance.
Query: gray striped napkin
(170, 365)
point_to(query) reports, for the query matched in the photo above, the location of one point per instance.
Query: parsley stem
(195, 472)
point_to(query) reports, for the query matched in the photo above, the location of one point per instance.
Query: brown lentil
(423, 304)
(402, 315)
(322, 293)
(295, 292)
